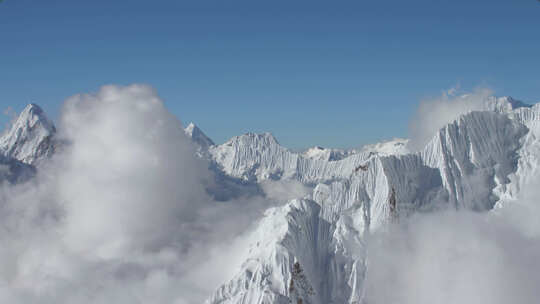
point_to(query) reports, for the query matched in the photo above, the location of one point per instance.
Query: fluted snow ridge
(298, 258)
(475, 154)
(479, 160)
(258, 157)
(470, 163)
(466, 149)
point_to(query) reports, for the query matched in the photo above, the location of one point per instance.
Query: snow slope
(396, 146)
(313, 249)
(30, 138)
(320, 153)
(198, 136)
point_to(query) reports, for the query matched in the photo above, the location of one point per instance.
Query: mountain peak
(31, 116)
(266, 136)
(32, 107)
(320, 153)
(515, 103)
(198, 136)
(505, 104)
(29, 138)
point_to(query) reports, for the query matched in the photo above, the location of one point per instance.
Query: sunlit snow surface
(476, 162)
(313, 248)
(30, 137)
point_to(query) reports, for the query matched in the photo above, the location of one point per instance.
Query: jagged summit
(313, 249)
(30, 137)
(265, 137)
(516, 103)
(33, 115)
(505, 104)
(198, 136)
(320, 153)
(396, 146)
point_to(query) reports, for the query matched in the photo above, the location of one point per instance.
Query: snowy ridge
(505, 104)
(397, 146)
(528, 156)
(292, 262)
(198, 136)
(320, 153)
(362, 192)
(313, 249)
(480, 146)
(258, 157)
(30, 138)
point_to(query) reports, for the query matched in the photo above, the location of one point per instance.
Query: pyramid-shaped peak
(29, 138)
(32, 108)
(198, 136)
(189, 129)
(31, 116)
(265, 137)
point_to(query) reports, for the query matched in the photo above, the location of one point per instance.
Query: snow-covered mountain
(313, 249)
(14, 171)
(320, 153)
(396, 146)
(198, 137)
(30, 138)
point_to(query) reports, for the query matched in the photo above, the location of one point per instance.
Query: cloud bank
(459, 257)
(121, 214)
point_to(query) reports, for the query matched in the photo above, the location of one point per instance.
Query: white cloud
(121, 215)
(433, 114)
(284, 190)
(459, 257)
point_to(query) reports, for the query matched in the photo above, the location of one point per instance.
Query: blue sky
(329, 73)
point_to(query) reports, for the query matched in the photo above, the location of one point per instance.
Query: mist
(459, 256)
(434, 113)
(122, 213)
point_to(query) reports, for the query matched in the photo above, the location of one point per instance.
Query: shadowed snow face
(121, 215)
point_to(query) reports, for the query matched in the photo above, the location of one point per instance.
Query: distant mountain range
(312, 249)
